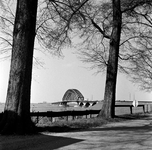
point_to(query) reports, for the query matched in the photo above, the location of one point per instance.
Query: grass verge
(80, 124)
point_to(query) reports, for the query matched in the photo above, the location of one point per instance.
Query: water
(43, 107)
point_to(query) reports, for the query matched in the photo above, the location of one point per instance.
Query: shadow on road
(35, 142)
(57, 129)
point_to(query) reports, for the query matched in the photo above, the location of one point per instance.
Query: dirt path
(126, 135)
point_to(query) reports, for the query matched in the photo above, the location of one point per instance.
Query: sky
(57, 75)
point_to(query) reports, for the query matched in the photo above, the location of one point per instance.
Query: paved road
(126, 135)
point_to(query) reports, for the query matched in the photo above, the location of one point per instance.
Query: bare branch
(100, 30)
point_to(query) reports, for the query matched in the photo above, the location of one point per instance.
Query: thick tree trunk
(108, 108)
(16, 118)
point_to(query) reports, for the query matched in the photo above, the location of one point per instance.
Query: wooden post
(72, 114)
(50, 118)
(66, 118)
(131, 109)
(90, 115)
(144, 108)
(37, 119)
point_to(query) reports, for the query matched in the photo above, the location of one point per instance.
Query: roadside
(134, 133)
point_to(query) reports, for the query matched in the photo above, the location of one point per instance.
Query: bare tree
(16, 118)
(135, 55)
(136, 29)
(108, 108)
(85, 19)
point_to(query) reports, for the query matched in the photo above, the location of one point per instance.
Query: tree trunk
(16, 118)
(108, 108)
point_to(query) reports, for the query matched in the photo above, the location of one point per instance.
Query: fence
(75, 113)
(66, 114)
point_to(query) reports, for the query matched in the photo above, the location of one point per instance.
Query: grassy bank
(80, 124)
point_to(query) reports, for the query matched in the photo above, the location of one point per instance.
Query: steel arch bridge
(73, 95)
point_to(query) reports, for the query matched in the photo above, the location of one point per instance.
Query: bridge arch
(73, 95)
